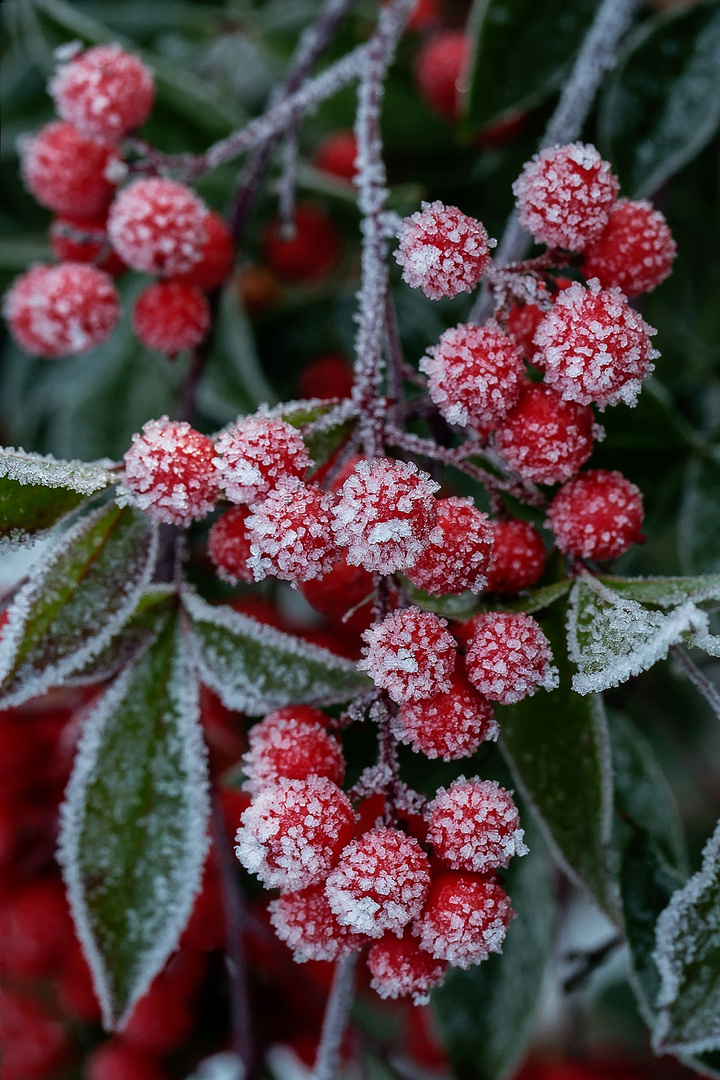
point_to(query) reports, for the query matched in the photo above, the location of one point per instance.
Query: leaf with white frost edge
(687, 955)
(666, 592)
(79, 598)
(133, 836)
(256, 668)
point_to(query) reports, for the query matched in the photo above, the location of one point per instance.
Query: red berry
(465, 919)
(257, 452)
(565, 195)
(291, 534)
(205, 930)
(380, 882)
(61, 310)
(597, 515)
(439, 72)
(170, 317)
(307, 925)
(293, 749)
(336, 154)
(341, 590)
(400, 968)
(635, 252)
(522, 322)
(185, 972)
(115, 1060)
(67, 173)
(424, 16)
(85, 240)
(458, 554)
(229, 545)
(35, 928)
(475, 374)
(327, 376)
(74, 986)
(302, 714)
(158, 226)
(310, 253)
(293, 833)
(475, 825)
(34, 1044)
(546, 439)
(105, 92)
(169, 472)
(509, 657)
(410, 654)
(518, 558)
(442, 251)
(450, 725)
(594, 347)
(217, 255)
(160, 1022)
(385, 515)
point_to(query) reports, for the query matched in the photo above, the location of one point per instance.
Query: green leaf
(36, 492)
(523, 50)
(256, 668)
(76, 601)
(467, 604)
(662, 103)
(133, 833)
(666, 592)
(334, 423)
(486, 1014)
(698, 533)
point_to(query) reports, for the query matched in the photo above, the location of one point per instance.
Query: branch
(337, 1013)
(708, 690)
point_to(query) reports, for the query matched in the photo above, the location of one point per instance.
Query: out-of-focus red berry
(217, 255)
(336, 154)
(35, 1045)
(327, 376)
(310, 253)
(119, 1060)
(67, 173)
(440, 70)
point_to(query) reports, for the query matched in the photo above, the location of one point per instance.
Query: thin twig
(335, 1021)
(708, 690)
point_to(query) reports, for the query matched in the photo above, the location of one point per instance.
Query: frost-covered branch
(701, 682)
(336, 1019)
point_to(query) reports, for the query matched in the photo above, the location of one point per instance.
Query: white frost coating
(667, 591)
(179, 895)
(106, 625)
(688, 933)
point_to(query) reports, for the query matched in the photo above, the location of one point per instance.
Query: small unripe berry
(292, 834)
(518, 558)
(291, 534)
(544, 438)
(597, 515)
(217, 255)
(257, 452)
(306, 923)
(594, 347)
(465, 919)
(442, 251)
(327, 376)
(635, 252)
(84, 240)
(67, 173)
(116, 1060)
(310, 253)
(63, 310)
(158, 226)
(105, 92)
(380, 882)
(565, 195)
(475, 826)
(400, 968)
(385, 515)
(229, 546)
(475, 374)
(509, 657)
(171, 317)
(458, 555)
(410, 654)
(336, 154)
(449, 725)
(169, 472)
(292, 749)
(439, 71)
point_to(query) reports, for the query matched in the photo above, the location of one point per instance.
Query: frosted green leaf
(666, 592)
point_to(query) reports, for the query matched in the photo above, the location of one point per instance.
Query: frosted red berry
(475, 374)
(518, 558)
(442, 251)
(291, 748)
(595, 347)
(635, 251)
(291, 534)
(294, 831)
(400, 968)
(465, 919)
(67, 173)
(385, 515)
(158, 226)
(380, 882)
(302, 714)
(63, 310)
(306, 923)
(509, 657)
(171, 317)
(229, 545)
(116, 1060)
(474, 825)
(565, 195)
(309, 253)
(74, 239)
(458, 555)
(104, 92)
(257, 452)
(217, 255)
(169, 472)
(336, 154)
(449, 725)
(439, 70)
(597, 515)
(327, 376)
(545, 438)
(410, 654)
(344, 594)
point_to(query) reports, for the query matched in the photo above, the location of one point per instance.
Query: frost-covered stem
(396, 365)
(708, 690)
(286, 183)
(335, 1021)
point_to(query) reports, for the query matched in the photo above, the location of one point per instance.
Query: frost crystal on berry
(594, 347)
(410, 654)
(400, 968)
(475, 826)
(458, 555)
(170, 317)
(565, 195)
(291, 748)
(385, 515)
(67, 173)
(449, 725)
(518, 558)
(255, 453)
(509, 657)
(291, 535)
(306, 923)
(104, 93)
(597, 515)
(380, 882)
(442, 251)
(229, 546)
(158, 226)
(292, 834)
(465, 919)
(636, 250)
(545, 438)
(169, 473)
(474, 374)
